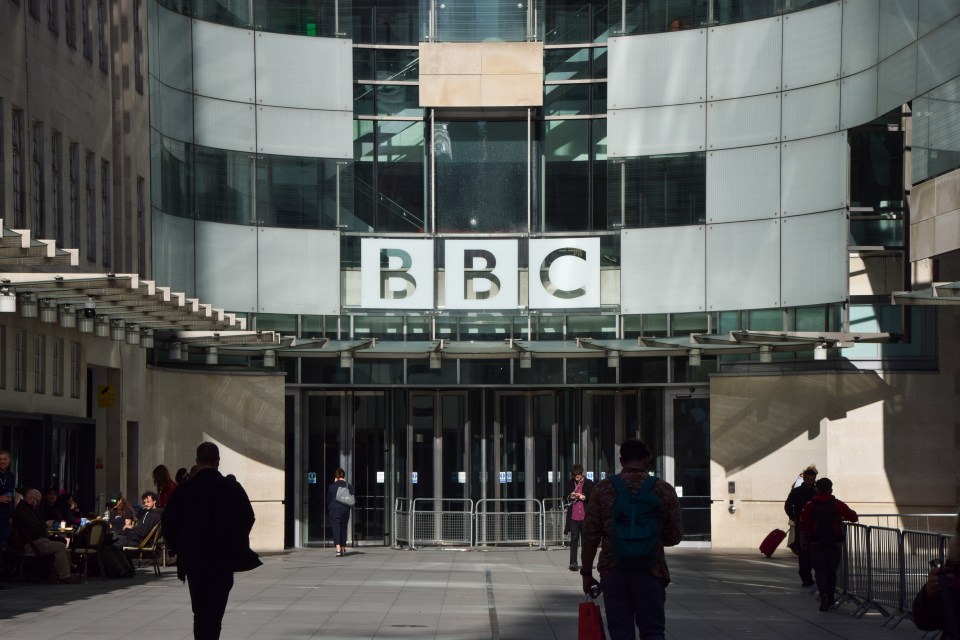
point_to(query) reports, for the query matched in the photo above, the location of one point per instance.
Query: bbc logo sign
(479, 274)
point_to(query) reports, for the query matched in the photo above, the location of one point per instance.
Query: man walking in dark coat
(793, 506)
(207, 522)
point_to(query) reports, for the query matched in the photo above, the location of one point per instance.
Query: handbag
(345, 497)
(589, 621)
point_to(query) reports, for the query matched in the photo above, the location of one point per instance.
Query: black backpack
(826, 527)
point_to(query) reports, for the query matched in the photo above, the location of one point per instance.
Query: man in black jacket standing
(207, 522)
(793, 506)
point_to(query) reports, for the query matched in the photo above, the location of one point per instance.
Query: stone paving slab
(378, 593)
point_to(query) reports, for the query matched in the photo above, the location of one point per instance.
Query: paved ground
(451, 595)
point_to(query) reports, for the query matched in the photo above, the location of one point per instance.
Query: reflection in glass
(398, 100)
(394, 22)
(662, 190)
(303, 17)
(300, 192)
(477, 20)
(567, 175)
(399, 177)
(222, 185)
(233, 13)
(481, 169)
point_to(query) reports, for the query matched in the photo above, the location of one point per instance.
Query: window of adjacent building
(85, 29)
(91, 207)
(102, 34)
(38, 177)
(75, 352)
(105, 217)
(17, 169)
(74, 194)
(137, 47)
(53, 16)
(71, 23)
(58, 366)
(141, 227)
(19, 360)
(56, 184)
(39, 363)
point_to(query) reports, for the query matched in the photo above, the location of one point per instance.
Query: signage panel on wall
(481, 274)
(396, 273)
(564, 273)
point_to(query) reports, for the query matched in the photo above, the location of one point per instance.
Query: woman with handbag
(340, 499)
(578, 493)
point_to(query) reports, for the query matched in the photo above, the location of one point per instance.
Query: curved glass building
(507, 235)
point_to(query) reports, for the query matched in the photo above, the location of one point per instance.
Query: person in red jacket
(165, 485)
(821, 532)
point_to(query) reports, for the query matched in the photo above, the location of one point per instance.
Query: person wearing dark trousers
(936, 606)
(798, 498)
(821, 532)
(578, 492)
(338, 513)
(207, 522)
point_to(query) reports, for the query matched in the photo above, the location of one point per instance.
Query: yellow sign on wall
(106, 396)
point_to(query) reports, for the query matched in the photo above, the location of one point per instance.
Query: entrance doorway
(686, 459)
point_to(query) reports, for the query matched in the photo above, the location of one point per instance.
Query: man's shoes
(824, 604)
(69, 580)
(574, 567)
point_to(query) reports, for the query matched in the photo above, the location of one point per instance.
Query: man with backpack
(631, 516)
(821, 532)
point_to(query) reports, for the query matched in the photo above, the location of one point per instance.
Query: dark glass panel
(567, 175)
(234, 13)
(364, 100)
(367, 371)
(661, 191)
(398, 64)
(590, 371)
(299, 192)
(566, 64)
(222, 185)
(566, 99)
(400, 199)
(323, 371)
(485, 371)
(643, 370)
(398, 100)
(541, 371)
(876, 165)
(363, 65)
(419, 372)
(303, 17)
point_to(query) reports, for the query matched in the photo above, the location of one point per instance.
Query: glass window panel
(601, 219)
(383, 328)
(171, 190)
(481, 169)
(222, 185)
(566, 23)
(649, 325)
(599, 327)
(566, 64)
(876, 233)
(386, 21)
(549, 327)
(398, 100)
(567, 175)
(599, 62)
(876, 165)
(323, 371)
(686, 323)
(484, 371)
(419, 372)
(364, 144)
(446, 328)
(302, 17)
(398, 64)
(363, 100)
(283, 323)
(663, 191)
(480, 328)
(598, 94)
(363, 65)
(811, 319)
(480, 20)
(590, 371)
(643, 370)
(299, 192)
(766, 320)
(400, 200)
(541, 371)
(235, 13)
(729, 321)
(566, 99)
(313, 327)
(377, 371)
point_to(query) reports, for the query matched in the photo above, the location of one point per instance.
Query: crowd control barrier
(554, 522)
(512, 521)
(883, 568)
(438, 522)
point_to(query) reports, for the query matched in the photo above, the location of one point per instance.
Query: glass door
(686, 461)
(609, 418)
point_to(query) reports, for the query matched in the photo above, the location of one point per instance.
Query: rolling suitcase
(772, 541)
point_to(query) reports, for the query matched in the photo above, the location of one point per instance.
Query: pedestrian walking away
(340, 498)
(631, 518)
(578, 492)
(797, 499)
(821, 532)
(207, 522)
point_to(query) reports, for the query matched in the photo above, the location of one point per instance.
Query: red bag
(590, 624)
(772, 541)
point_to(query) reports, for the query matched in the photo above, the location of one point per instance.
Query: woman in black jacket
(578, 492)
(338, 513)
(937, 605)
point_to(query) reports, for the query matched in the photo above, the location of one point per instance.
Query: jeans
(826, 561)
(209, 591)
(575, 526)
(634, 598)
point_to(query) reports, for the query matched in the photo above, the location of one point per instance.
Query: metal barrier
(441, 523)
(554, 522)
(855, 577)
(919, 548)
(886, 571)
(509, 521)
(928, 522)
(401, 522)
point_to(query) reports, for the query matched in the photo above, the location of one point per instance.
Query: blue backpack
(636, 525)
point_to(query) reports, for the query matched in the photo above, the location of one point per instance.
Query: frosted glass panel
(172, 111)
(667, 267)
(813, 174)
(744, 59)
(938, 57)
(225, 125)
(643, 132)
(811, 46)
(811, 111)
(743, 265)
(298, 271)
(933, 13)
(743, 184)
(897, 79)
(223, 62)
(745, 121)
(310, 73)
(656, 70)
(302, 132)
(858, 99)
(173, 252)
(225, 272)
(175, 66)
(861, 24)
(813, 262)
(898, 25)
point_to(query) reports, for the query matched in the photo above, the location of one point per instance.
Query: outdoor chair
(148, 548)
(88, 543)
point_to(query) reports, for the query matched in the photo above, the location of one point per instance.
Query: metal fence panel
(401, 522)
(919, 548)
(855, 580)
(886, 568)
(509, 522)
(554, 522)
(441, 522)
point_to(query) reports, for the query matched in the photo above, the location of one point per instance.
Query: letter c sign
(564, 273)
